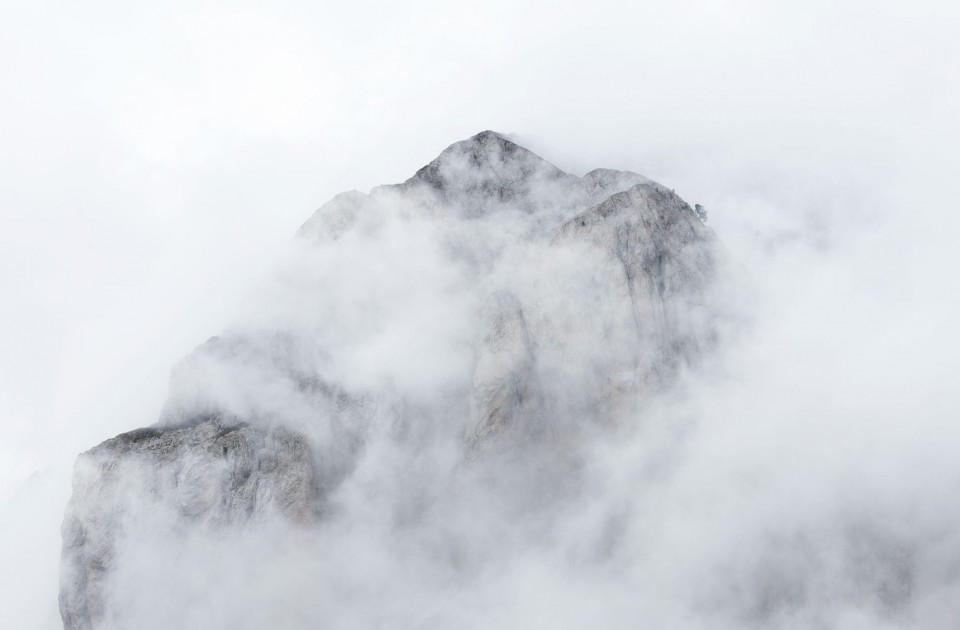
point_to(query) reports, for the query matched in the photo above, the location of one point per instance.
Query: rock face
(666, 266)
(538, 302)
(657, 259)
(505, 381)
(215, 473)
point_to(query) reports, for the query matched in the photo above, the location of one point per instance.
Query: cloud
(157, 163)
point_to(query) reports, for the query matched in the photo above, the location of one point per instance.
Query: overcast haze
(155, 162)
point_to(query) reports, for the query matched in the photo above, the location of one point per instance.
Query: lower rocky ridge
(215, 473)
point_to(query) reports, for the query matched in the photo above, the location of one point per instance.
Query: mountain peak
(487, 136)
(476, 176)
(486, 166)
(493, 312)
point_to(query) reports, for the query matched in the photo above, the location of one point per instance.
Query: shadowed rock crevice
(507, 391)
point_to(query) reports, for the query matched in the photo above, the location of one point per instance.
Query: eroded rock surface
(213, 474)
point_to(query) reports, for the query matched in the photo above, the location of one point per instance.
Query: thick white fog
(156, 162)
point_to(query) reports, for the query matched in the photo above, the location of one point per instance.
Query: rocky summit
(428, 347)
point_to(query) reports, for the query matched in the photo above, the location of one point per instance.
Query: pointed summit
(488, 135)
(489, 149)
(485, 168)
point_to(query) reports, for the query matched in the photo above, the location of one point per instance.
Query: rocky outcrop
(215, 473)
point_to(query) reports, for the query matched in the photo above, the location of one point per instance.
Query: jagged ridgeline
(491, 306)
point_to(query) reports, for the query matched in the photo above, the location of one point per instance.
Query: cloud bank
(808, 473)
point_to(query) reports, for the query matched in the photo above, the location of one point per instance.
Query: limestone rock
(213, 474)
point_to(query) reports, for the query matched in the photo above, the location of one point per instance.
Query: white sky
(155, 156)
